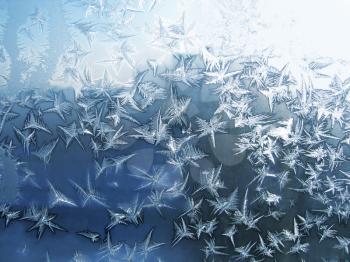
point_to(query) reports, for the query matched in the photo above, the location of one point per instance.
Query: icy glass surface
(180, 131)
